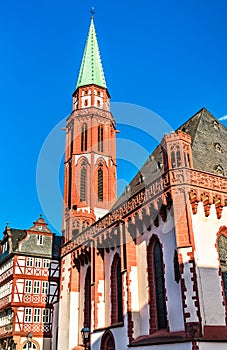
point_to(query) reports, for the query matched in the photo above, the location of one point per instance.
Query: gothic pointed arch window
(87, 298)
(100, 138)
(222, 251)
(116, 291)
(157, 301)
(84, 137)
(83, 182)
(107, 342)
(100, 182)
(175, 156)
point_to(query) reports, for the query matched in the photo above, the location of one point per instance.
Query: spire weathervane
(92, 12)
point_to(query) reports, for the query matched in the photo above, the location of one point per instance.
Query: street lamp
(29, 340)
(85, 332)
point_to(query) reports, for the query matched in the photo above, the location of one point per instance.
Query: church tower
(90, 155)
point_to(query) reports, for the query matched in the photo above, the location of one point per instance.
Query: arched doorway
(107, 342)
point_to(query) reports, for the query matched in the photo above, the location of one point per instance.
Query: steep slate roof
(91, 70)
(209, 150)
(209, 142)
(17, 236)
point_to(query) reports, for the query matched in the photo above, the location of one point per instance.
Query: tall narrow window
(69, 184)
(83, 181)
(36, 316)
(46, 315)
(87, 298)
(71, 142)
(116, 291)
(28, 286)
(84, 137)
(36, 287)
(222, 250)
(100, 138)
(156, 286)
(175, 156)
(45, 286)
(29, 261)
(100, 184)
(39, 240)
(28, 315)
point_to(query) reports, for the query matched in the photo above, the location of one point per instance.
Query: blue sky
(167, 56)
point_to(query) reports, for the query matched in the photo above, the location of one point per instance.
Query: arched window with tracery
(87, 298)
(107, 342)
(100, 138)
(175, 156)
(157, 300)
(84, 137)
(222, 251)
(116, 291)
(100, 182)
(83, 182)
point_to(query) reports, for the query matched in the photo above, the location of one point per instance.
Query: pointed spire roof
(91, 70)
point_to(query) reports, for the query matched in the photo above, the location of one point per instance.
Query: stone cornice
(90, 112)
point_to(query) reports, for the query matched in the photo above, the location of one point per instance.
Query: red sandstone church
(149, 270)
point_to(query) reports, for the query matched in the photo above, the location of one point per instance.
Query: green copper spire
(91, 71)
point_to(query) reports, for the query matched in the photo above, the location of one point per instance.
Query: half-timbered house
(29, 288)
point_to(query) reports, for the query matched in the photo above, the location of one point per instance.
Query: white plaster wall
(64, 308)
(120, 337)
(212, 346)
(209, 282)
(99, 212)
(83, 155)
(133, 287)
(74, 319)
(101, 304)
(143, 288)
(55, 326)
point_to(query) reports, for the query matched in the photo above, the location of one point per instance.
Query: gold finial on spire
(92, 12)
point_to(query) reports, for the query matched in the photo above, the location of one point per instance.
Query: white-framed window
(36, 288)
(36, 317)
(28, 286)
(39, 240)
(45, 285)
(29, 261)
(38, 262)
(28, 315)
(46, 315)
(46, 263)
